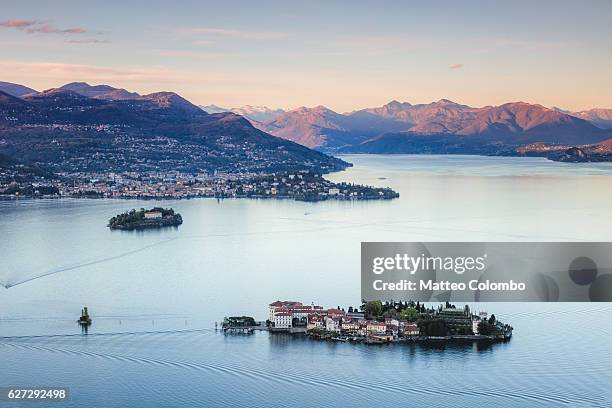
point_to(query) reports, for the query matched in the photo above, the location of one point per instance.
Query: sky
(345, 55)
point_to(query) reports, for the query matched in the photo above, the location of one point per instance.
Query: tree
(485, 328)
(409, 313)
(374, 308)
(390, 314)
(433, 327)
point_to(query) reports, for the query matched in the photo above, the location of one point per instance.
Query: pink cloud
(56, 72)
(76, 30)
(40, 27)
(456, 66)
(20, 24)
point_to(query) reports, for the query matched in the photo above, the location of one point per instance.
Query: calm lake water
(154, 295)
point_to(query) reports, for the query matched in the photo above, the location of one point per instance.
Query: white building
(332, 324)
(392, 322)
(282, 320)
(281, 305)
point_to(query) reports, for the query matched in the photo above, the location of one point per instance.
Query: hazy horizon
(345, 56)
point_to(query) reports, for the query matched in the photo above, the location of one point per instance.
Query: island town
(303, 185)
(375, 322)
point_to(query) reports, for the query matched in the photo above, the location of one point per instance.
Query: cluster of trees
(88, 194)
(239, 321)
(403, 310)
(373, 308)
(433, 327)
(487, 327)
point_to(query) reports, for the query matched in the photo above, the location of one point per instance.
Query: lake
(155, 295)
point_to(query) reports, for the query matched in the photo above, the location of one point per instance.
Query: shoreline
(334, 337)
(148, 198)
(300, 186)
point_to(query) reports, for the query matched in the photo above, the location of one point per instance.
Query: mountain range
(226, 141)
(79, 128)
(439, 127)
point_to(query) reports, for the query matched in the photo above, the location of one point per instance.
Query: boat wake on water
(9, 283)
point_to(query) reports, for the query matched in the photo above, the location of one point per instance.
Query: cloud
(456, 66)
(49, 29)
(231, 33)
(54, 72)
(40, 27)
(20, 24)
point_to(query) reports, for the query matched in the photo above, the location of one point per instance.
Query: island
(241, 324)
(156, 217)
(375, 322)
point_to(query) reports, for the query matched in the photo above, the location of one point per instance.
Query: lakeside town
(304, 185)
(376, 322)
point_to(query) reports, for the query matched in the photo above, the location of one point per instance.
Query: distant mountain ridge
(79, 129)
(105, 92)
(443, 126)
(600, 117)
(324, 129)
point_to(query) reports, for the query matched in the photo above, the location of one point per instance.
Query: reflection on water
(153, 296)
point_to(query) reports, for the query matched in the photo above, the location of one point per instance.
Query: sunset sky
(344, 55)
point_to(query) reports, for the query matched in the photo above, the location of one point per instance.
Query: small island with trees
(241, 325)
(156, 217)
